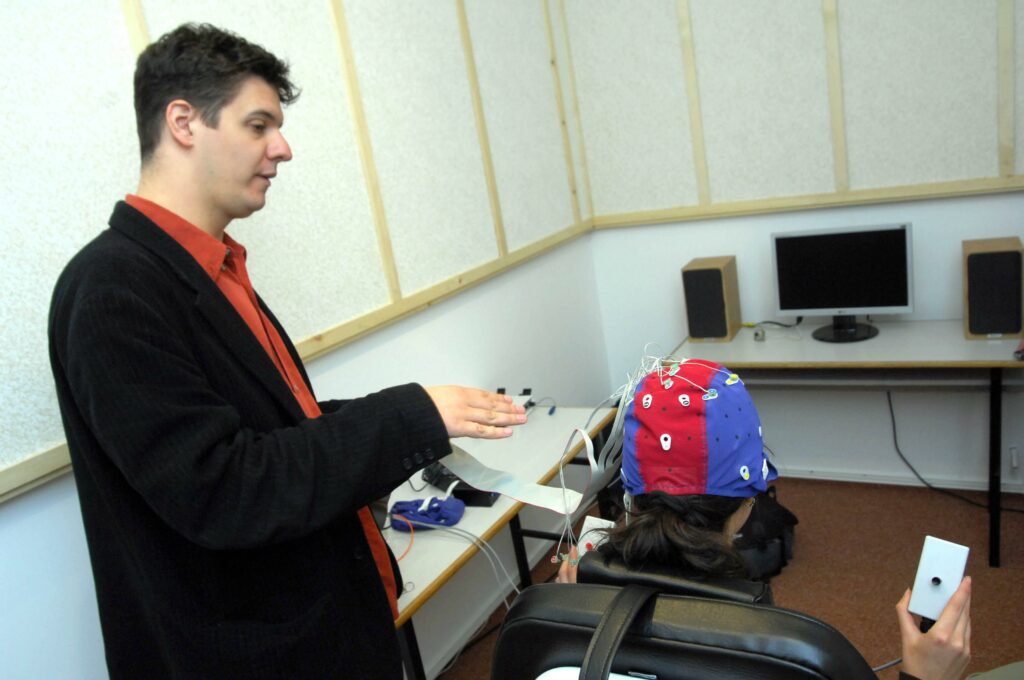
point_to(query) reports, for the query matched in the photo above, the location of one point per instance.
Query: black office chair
(609, 569)
(635, 630)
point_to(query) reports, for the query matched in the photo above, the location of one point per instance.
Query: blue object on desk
(437, 512)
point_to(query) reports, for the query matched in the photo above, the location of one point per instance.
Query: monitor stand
(845, 329)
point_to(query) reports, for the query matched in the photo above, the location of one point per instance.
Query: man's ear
(180, 116)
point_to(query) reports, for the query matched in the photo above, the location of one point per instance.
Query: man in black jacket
(224, 506)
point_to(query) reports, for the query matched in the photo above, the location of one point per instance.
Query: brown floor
(857, 547)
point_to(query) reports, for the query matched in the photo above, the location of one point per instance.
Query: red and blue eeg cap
(692, 429)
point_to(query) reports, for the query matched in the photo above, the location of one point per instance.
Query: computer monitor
(843, 273)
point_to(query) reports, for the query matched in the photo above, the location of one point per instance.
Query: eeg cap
(692, 429)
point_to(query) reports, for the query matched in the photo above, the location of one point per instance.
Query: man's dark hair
(205, 66)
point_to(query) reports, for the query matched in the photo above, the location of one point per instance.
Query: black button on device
(418, 457)
(406, 463)
(936, 580)
(429, 453)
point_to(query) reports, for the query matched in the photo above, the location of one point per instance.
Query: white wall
(537, 326)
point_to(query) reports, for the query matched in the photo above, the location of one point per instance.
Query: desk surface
(532, 452)
(899, 344)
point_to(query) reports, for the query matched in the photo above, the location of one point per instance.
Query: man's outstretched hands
(469, 412)
(944, 651)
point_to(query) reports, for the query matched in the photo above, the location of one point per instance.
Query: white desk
(532, 452)
(937, 347)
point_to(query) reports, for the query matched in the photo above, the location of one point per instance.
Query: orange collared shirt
(224, 261)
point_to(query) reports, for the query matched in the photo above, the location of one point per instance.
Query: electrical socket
(1016, 471)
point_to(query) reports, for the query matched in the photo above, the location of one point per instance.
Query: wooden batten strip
(576, 107)
(481, 129)
(34, 471)
(564, 125)
(700, 160)
(355, 103)
(1006, 67)
(913, 192)
(135, 21)
(836, 106)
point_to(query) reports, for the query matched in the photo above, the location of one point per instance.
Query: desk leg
(995, 463)
(525, 579)
(411, 658)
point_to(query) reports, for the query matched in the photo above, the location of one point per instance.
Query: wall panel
(416, 93)
(764, 98)
(919, 83)
(71, 152)
(633, 105)
(513, 61)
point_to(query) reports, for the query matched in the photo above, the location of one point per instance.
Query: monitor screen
(844, 272)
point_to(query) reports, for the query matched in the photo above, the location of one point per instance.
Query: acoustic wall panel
(764, 98)
(412, 73)
(513, 62)
(317, 220)
(633, 105)
(919, 84)
(567, 79)
(71, 152)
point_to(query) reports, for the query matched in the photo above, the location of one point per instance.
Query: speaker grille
(994, 292)
(705, 303)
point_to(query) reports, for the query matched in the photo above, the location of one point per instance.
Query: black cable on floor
(895, 441)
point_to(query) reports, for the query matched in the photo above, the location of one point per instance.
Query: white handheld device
(938, 576)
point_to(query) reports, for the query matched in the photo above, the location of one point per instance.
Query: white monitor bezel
(907, 228)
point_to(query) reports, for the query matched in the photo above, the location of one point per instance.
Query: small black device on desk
(436, 474)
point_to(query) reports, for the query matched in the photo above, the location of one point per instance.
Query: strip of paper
(555, 499)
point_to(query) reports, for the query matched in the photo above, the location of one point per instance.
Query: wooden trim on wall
(576, 107)
(834, 75)
(135, 21)
(992, 185)
(1005, 65)
(700, 160)
(37, 469)
(570, 165)
(481, 129)
(355, 103)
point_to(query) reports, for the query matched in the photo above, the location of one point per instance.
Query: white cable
(488, 552)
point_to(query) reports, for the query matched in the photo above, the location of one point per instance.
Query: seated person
(693, 462)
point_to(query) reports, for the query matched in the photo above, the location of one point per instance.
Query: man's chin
(250, 207)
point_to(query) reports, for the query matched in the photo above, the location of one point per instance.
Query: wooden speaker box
(712, 298)
(993, 288)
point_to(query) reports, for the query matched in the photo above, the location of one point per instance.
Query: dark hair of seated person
(684, 532)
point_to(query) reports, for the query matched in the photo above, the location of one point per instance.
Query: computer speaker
(993, 306)
(712, 298)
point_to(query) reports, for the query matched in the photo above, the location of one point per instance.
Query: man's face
(237, 159)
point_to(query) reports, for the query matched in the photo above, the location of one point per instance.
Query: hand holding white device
(938, 576)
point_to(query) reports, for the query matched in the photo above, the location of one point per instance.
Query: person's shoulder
(113, 253)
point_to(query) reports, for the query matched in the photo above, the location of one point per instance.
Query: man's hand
(469, 412)
(944, 651)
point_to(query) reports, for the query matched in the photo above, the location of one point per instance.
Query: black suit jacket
(222, 524)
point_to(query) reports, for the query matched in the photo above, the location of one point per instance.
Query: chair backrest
(609, 569)
(672, 638)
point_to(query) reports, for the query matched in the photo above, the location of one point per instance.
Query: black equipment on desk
(712, 298)
(437, 475)
(993, 286)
